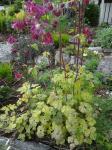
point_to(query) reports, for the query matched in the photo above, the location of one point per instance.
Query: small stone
(5, 52)
(66, 58)
(20, 145)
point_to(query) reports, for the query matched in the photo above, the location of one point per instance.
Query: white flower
(37, 26)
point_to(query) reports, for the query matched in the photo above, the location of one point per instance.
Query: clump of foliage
(104, 37)
(92, 64)
(6, 72)
(5, 93)
(92, 14)
(65, 113)
(65, 39)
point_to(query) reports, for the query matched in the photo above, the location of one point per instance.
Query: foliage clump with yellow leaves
(65, 113)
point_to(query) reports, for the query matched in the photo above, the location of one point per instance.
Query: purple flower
(11, 39)
(18, 25)
(36, 10)
(36, 32)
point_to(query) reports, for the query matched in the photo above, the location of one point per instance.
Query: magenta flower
(50, 6)
(62, 5)
(89, 40)
(18, 25)
(47, 39)
(57, 12)
(71, 4)
(86, 31)
(14, 51)
(86, 2)
(11, 39)
(55, 24)
(18, 76)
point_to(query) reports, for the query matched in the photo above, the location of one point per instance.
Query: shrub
(104, 37)
(65, 114)
(92, 14)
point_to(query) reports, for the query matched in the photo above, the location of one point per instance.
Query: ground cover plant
(56, 102)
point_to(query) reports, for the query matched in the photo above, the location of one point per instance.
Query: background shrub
(92, 14)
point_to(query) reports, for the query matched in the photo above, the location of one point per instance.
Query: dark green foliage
(107, 81)
(5, 93)
(92, 14)
(103, 109)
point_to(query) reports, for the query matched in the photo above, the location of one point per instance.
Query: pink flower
(11, 39)
(86, 2)
(18, 76)
(47, 39)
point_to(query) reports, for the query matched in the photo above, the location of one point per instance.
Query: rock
(72, 60)
(98, 49)
(1, 8)
(5, 52)
(105, 65)
(19, 145)
(66, 58)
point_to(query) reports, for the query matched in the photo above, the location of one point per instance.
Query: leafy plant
(65, 39)
(2, 22)
(92, 64)
(65, 114)
(104, 37)
(6, 72)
